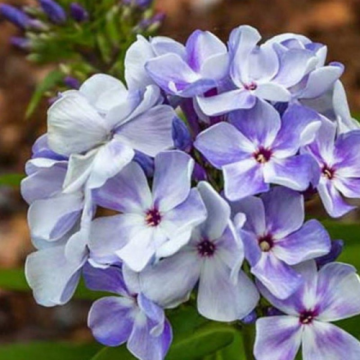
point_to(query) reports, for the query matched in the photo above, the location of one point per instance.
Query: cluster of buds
(204, 159)
(83, 37)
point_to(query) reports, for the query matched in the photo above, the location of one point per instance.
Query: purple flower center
(266, 243)
(153, 217)
(307, 317)
(206, 248)
(251, 86)
(328, 172)
(262, 155)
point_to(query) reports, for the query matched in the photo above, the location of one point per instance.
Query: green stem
(248, 332)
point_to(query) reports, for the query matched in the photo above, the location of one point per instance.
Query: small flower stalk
(204, 155)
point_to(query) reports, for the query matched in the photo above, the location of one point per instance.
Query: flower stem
(248, 333)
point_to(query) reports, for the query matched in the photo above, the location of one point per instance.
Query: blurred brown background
(333, 22)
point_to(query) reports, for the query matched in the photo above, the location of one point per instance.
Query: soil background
(332, 22)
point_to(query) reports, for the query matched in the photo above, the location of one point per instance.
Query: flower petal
(110, 234)
(243, 178)
(333, 202)
(222, 144)
(74, 126)
(150, 132)
(284, 211)
(280, 279)
(309, 242)
(295, 172)
(338, 291)
(110, 320)
(252, 125)
(326, 341)
(50, 219)
(127, 192)
(51, 276)
(218, 211)
(221, 299)
(109, 161)
(172, 178)
(103, 91)
(278, 337)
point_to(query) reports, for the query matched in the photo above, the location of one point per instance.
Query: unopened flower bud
(54, 11)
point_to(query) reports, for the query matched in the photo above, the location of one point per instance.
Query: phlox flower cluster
(191, 180)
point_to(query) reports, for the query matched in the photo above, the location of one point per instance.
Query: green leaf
(14, 279)
(350, 233)
(11, 179)
(52, 79)
(193, 335)
(50, 351)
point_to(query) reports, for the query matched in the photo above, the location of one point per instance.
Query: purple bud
(78, 13)
(20, 42)
(271, 311)
(54, 11)
(72, 82)
(181, 135)
(157, 19)
(336, 249)
(15, 16)
(143, 3)
(199, 173)
(146, 163)
(250, 319)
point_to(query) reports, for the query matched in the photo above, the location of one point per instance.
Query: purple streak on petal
(349, 187)
(284, 211)
(222, 144)
(309, 242)
(294, 172)
(347, 154)
(298, 127)
(145, 346)
(278, 337)
(171, 186)
(338, 291)
(185, 216)
(50, 219)
(327, 341)
(244, 178)
(226, 102)
(104, 239)
(252, 125)
(153, 312)
(110, 279)
(332, 200)
(51, 276)
(43, 184)
(127, 192)
(280, 279)
(110, 320)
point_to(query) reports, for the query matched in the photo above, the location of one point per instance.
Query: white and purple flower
(329, 295)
